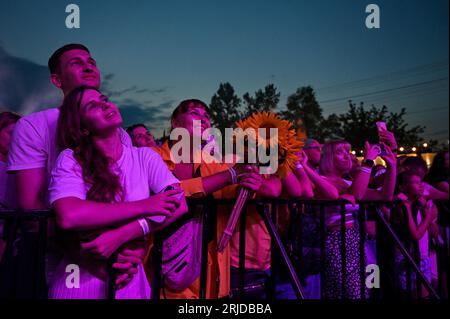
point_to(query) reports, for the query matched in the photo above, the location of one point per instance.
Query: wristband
(368, 162)
(365, 170)
(233, 175)
(143, 223)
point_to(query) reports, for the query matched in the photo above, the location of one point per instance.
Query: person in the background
(420, 225)
(419, 166)
(296, 184)
(100, 191)
(8, 122)
(141, 136)
(7, 188)
(312, 149)
(438, 174)
(335, 164)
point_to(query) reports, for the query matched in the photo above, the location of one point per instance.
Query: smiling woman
(100, 190)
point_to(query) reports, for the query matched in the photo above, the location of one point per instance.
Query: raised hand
(371, 151)
(388, 138)
(390, 158)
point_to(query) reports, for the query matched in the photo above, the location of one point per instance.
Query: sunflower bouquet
(285, 140)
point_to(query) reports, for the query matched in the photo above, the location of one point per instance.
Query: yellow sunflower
(286, 139)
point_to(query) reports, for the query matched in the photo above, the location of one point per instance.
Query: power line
(412, 72)
(399, 97)
(383, 91)
(428, 110)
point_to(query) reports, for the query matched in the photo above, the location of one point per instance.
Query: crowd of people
(112, 189)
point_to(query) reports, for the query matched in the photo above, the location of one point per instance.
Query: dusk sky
(153, 54)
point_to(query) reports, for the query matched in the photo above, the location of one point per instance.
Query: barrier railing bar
(407, 255)
(282, 252)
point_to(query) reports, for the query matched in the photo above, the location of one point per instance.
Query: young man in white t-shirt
(33, 150)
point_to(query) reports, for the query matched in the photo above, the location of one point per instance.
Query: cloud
(25, 85)
(107, 78)
(25, 88)
(107, 88)
(122, 92)
(133, 112)
(166, 105)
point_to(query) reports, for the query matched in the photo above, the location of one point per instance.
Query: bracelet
(365, 170)
(298, 166)
(233, 175)
(144, 225)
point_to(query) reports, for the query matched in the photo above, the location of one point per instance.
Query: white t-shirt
(7, 188)
(141, 170)
(33, 142)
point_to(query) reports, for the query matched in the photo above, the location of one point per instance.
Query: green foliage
(266, 100)
(225, 107)
(358, 125)
(303, 104)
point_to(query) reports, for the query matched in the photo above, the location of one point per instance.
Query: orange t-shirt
(218, 278)
(257, 242)
(257, 250)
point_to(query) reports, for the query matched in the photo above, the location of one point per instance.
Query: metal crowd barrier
(22, 266)
(385, 238)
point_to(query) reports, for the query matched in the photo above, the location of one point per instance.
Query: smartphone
(381, 126)
(161, 218)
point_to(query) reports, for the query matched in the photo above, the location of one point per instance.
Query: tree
(358, 125)
(266, 100)
(303, 105)
(225, 107)
(329, 128)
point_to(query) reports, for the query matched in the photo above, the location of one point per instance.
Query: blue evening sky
(157, 53)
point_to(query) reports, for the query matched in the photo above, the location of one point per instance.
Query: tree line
(302, 109)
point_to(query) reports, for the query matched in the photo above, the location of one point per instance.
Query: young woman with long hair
(335, 164)
(100, 190)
